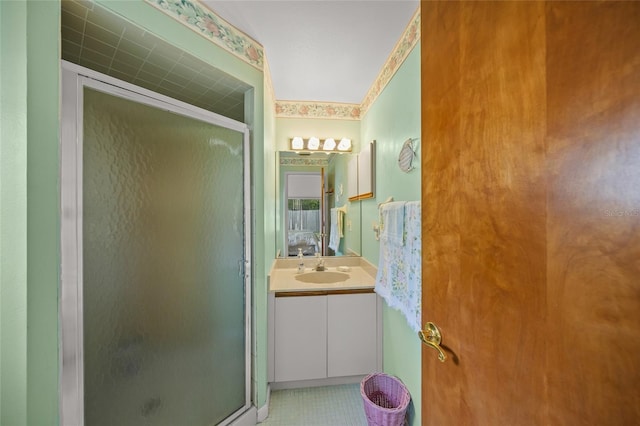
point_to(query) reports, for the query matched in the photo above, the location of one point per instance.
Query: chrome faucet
(320, 265)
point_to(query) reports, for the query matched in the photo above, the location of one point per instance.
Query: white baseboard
(331, 381)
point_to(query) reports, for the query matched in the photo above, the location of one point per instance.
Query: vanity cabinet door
(300, 338)
(352, 345)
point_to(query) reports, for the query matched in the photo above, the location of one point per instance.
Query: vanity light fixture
(316, 144)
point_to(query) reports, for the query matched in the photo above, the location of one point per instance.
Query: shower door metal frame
(74, 79)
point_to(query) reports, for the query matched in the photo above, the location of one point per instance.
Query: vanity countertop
(362, 275)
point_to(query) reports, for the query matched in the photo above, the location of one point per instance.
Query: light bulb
(314, 143)
(329, 144)
(344, 145)
(297, 143)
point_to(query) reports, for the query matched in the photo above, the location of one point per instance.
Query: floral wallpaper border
(317, 162)
(209, 25)
(405, 45)
(303, 109)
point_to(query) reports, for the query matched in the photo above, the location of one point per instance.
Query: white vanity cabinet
(300, 338)
(352, 335)
(325, 335)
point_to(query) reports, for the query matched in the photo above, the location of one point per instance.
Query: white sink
(322, 277)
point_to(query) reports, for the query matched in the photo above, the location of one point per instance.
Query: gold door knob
(431, 336)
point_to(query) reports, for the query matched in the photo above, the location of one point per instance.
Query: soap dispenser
(300, 261)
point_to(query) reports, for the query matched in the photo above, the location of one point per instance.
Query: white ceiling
(321, 50)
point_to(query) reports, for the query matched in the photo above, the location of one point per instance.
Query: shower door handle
(241, 263)
(243, 267)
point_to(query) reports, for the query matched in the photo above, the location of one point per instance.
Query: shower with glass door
(155, 258)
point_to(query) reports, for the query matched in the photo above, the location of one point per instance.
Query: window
(304, 213)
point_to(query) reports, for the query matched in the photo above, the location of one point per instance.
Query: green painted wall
(43, 242)
(269, 219)
(30, 98)
(13, 213)
(393, 118)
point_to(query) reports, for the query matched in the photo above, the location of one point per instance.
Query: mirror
(362, 167)
(313, 212)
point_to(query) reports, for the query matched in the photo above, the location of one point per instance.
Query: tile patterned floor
(321, 406)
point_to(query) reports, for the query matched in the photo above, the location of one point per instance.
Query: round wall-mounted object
(407, 153)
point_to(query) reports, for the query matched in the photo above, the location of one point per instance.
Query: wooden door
(531, 207)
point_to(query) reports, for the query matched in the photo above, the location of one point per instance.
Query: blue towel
(399, 278)
(392, 222)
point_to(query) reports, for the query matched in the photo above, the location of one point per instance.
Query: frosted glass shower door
(164, 321)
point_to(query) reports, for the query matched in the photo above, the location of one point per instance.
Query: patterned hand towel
(399, 278)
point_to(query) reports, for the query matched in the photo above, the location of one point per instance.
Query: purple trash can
(385, 400)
